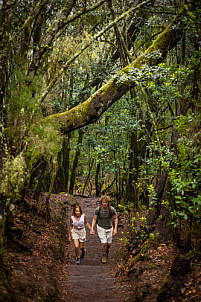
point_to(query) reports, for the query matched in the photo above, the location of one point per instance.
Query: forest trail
(92, 280)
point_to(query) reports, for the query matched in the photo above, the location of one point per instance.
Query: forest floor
(40, 261)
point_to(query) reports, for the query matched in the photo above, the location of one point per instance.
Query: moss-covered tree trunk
(6, 14)
(89, 111)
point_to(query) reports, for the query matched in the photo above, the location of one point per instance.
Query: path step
(92, 280)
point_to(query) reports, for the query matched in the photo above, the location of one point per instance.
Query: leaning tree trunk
(89, 111)
(154, 208)
(159, 209)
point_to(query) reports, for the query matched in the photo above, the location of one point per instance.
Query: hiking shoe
(77, 261)
(104, 258)
(83, 253)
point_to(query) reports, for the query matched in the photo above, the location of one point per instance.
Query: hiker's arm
(88, 225)
(70, 228)
(93, 224)
(115, 224)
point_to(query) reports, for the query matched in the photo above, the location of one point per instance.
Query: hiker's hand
(69, 238)
(92, 232)
(114, 232)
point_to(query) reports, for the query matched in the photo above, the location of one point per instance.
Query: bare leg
(76, 244)
(104, 247)
(82, 246)
(82, 249)
(104, 252)
(108, 246)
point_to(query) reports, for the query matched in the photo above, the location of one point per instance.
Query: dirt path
(92, 280)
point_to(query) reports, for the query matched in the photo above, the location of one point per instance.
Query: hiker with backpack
(77, 231)
(104, 216)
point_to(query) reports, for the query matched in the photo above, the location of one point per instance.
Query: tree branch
(89, 111)
(69, 62)
(52, 31)
(37, 8)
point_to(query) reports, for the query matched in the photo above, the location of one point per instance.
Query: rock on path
(92, 280)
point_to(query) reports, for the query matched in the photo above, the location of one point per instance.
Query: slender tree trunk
(131, 161)
(66, 159)
(120, 41)
(97, 179)
(88, 176)
(75, 162)
(62, 179)
(52, 180)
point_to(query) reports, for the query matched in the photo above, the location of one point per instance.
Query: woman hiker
(77, 231)
(104, 216)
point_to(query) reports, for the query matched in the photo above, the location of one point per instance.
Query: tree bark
(66, 159)
(97, 179)
(59, 184)
(75, 162)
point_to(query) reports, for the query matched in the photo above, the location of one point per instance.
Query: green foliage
(43, 140)
(186, 181)
(152, 195)
(24, 93)
(14, 175)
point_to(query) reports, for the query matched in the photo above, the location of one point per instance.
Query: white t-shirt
(78, 224)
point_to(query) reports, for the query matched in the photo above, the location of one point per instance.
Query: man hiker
(104, 216)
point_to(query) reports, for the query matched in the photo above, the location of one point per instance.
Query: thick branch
(89, 111)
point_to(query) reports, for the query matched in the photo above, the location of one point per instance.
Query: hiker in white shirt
(77, 231)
